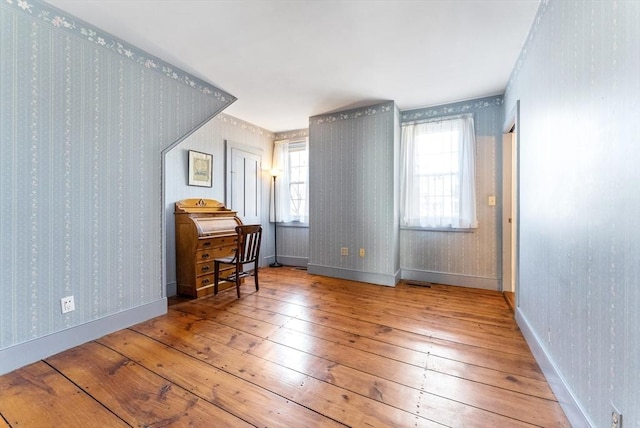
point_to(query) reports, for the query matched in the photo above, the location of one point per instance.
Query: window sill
(293, 224)
(437, 229)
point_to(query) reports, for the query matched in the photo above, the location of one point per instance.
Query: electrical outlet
(344, 251)
(67, 304)
(361, 252)
(616, 417)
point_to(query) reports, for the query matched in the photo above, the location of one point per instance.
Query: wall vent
(418, 283)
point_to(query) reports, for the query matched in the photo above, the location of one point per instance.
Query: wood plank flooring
(510, 297)
(304, 351)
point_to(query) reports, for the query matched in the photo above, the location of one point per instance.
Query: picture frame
(200, 169)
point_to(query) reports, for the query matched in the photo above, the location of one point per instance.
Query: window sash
(438, 174)
(292, 160)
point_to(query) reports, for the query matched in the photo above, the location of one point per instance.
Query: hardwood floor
(305, 350)
(510, 297)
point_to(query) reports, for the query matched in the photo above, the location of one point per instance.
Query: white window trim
(281, 163)
(466, 217)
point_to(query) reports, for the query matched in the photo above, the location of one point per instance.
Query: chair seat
(232, 277)
(247, 252)
(228, 260)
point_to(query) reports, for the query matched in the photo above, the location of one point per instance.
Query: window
(438, 176)
(298, 177)
(291, 158)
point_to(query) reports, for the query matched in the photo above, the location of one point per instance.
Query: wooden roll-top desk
(205, 230)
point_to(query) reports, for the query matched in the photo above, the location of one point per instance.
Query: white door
(244, 168)
(508, 214)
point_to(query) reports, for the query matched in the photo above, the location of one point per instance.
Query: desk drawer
(220, 241)
(205, 268)
(210, 254)
(204, 281)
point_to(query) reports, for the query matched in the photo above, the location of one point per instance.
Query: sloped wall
(83, 122)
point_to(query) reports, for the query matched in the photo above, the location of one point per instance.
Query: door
(510, 190)
(243, 174)
(508, 213)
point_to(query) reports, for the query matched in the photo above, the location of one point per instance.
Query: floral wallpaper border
(293, 134)
(542, 9)
(69, 23)
(241, 124)
(451, 109)
(353, 114)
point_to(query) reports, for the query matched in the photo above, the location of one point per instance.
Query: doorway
(244, 182)
(510, 209)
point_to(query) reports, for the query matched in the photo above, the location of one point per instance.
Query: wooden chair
(247, 251)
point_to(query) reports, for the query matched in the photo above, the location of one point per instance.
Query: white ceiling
(287, 60)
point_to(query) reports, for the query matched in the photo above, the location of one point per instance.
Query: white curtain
(299, 180)
(280, 162)
(426, 177)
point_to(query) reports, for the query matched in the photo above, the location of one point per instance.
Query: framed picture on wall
(200, 169)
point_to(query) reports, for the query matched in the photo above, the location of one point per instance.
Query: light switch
(492, 200)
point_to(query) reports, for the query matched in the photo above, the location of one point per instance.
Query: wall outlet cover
(616, 417)
(67, 304)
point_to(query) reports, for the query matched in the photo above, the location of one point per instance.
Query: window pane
(437, 167)
(436, 153)
(298, 173)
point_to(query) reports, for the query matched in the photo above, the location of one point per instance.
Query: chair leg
(255, 275)
(238, 267)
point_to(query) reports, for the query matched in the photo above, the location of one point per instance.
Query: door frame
(512, 126)
(229, 147)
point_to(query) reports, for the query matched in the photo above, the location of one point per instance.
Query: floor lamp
(274, 174)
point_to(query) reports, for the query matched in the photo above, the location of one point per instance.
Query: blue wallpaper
(210, 138)
(83, 122)
(45, 13)
(353, 159)
(469, 259)
(463, 258)
(578, 83)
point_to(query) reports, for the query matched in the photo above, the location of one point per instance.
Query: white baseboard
(288, 261)
(20, 355)
(570, 405)
(451, 279)
(172, 289)
(355, 275)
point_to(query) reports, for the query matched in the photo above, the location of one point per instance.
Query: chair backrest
(249, 237)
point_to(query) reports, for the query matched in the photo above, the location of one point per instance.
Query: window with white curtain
(291, 159)
(298, 178)
(438, 174)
